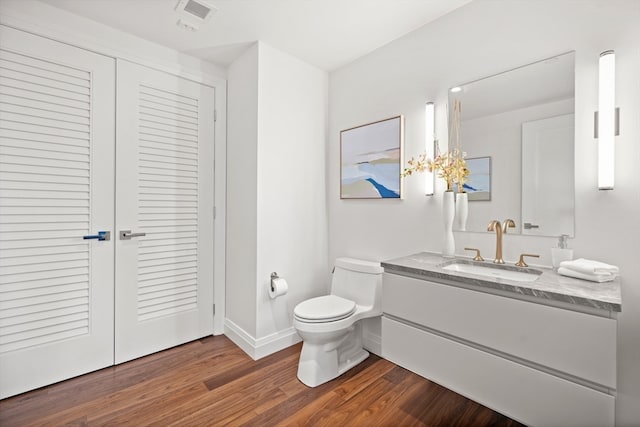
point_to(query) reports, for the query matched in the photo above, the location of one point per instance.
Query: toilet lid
(324, 309)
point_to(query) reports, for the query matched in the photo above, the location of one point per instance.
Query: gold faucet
(508, 223)
(521, 262)
(499, 229)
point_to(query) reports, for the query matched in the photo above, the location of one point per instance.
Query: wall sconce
(430, 137)
(606, 120)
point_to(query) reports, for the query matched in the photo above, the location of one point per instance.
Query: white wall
(242, 185)
(277, 203)
(46, 20)
(478, 40)
(292, 213)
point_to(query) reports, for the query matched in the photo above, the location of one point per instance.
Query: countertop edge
(432, 270)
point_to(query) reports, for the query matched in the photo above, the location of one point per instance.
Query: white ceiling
(325, 33)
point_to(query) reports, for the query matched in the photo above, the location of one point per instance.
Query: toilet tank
(359, 281)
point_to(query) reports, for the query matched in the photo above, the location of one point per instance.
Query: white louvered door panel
(56, 186)
(164, 182)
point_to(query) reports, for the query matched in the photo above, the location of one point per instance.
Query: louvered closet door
(56, 186)
(164, 185)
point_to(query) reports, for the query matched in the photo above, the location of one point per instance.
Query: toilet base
(322, 362)
(350, 363)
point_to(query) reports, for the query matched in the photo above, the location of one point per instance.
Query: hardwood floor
(211, 382)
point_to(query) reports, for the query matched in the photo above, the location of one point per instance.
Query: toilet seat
(327, 308)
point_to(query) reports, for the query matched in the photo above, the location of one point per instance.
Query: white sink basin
(493, 272)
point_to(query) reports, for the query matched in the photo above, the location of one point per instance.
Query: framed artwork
(370, 160)
(478, 185)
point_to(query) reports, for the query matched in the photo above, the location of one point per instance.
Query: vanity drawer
(525, 394)
(578, 344)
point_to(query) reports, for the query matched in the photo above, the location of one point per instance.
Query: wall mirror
(522, 120)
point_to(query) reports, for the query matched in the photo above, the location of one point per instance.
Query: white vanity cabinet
(539, 364)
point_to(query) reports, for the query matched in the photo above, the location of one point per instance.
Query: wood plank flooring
(211, 382)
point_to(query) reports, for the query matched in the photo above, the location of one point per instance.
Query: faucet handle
(478, 257)
(508, 223)
(521, 262)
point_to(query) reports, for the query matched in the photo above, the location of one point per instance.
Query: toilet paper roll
(278, 287)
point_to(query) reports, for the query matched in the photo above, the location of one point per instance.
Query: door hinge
(214, 309)
(215, 115)
(214, 212)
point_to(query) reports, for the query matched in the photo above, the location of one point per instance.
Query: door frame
(61, 26)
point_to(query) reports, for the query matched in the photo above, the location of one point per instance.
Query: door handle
(528, 226)
(127, 234)
(101, 236)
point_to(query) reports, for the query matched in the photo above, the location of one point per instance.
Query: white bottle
(562, 252)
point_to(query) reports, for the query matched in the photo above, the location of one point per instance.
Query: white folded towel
(593, 277)
(588, 266)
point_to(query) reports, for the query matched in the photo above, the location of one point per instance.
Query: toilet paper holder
(274, 276)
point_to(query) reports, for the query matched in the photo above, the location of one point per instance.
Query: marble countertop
(549, 287)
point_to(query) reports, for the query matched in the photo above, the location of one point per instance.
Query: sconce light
(430, 136)
(606, 120)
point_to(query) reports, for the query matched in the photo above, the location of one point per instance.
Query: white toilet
(329, 325)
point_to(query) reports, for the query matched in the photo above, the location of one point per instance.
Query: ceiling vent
(193, 13)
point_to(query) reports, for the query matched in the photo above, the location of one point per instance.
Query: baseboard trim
(261, 347)
(240, 337)
(276, 342)
(372, 342)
